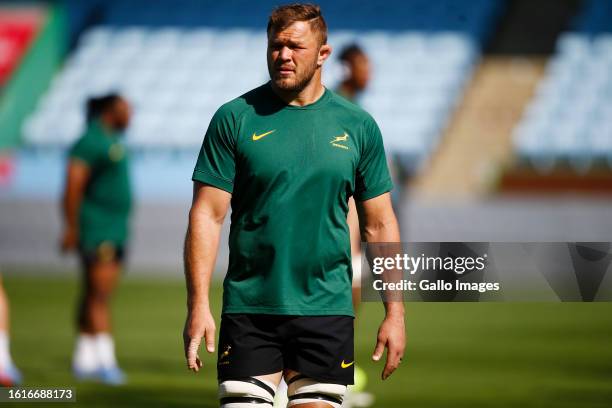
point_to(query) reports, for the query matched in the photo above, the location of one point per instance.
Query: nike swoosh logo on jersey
(257, 137)
(346, 365)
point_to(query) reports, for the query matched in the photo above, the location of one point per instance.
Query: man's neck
(106, 126)
(309, 95)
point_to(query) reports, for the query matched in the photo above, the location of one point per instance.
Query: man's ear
(324, 53)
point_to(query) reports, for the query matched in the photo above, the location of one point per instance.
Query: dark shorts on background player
(319, 347)
(105, 252)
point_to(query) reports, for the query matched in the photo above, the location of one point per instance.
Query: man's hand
(206, 216)
(69, 239)
(391, 335)
(198, 324)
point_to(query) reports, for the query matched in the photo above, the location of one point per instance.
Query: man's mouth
(284, 71)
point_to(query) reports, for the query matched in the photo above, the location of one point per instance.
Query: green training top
(106, 204)
(291, 171)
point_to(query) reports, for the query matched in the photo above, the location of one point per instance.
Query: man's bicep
(209, 201)
(77, 174)
(374, 207)
(375, 214)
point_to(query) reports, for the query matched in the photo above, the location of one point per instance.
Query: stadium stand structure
(568, 124)
(17, 28)
(178, 61)
(477, 143)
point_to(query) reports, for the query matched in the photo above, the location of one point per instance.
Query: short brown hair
(283, 16)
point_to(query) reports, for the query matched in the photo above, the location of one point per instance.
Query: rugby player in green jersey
(96, 204)
(287, 156)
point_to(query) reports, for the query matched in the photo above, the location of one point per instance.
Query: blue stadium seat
(177, 61)
(577, 134)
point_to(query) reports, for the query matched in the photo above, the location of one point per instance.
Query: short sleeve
(372, 178)
(86, 150)
(216, 164)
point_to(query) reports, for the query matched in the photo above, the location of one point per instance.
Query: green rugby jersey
(106, 204)
(291, 171)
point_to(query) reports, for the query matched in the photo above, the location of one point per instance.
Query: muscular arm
(206, 217)
(77, 176)
(380, 225)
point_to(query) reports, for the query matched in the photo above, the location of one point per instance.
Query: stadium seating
(569, 121)
(178, 61)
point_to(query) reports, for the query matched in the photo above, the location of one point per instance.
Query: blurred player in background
(357, 72)
(357, 76)
(356, 68)
(97, 202)
(9, 374)
(287, 156)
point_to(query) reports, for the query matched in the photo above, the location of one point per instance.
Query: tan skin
(4, 310)
(352, 219)
(4, 327)
(293, 54)
(102, 276)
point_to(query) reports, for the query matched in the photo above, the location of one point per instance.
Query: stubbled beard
(299, 83)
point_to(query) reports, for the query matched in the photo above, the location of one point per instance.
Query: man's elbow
(198, 216)
(380, 227)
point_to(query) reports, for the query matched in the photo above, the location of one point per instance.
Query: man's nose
(285, 53)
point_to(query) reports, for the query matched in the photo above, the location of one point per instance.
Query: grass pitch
(458, 354)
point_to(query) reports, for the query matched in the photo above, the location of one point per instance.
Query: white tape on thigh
(245, 394)
(307, 390)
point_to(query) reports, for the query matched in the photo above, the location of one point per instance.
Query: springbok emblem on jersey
(336, 141)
